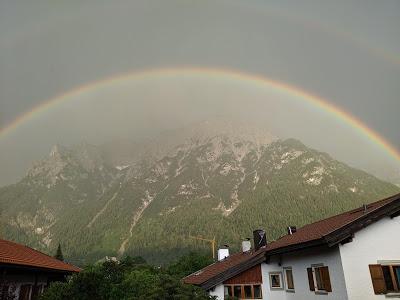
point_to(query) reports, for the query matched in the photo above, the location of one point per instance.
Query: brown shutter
(310, 279)
(378, 281)
(326, 280)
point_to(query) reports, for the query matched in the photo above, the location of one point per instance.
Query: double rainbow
(233, 75)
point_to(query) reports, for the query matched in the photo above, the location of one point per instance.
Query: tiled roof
(15, 254)
(218, 267)
(322, 228)
(312, 232)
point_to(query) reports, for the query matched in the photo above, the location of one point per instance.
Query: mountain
(221, 183)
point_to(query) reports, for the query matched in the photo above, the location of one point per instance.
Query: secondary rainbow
(234, 75)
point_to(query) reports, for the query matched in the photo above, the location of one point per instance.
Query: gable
(252, 275)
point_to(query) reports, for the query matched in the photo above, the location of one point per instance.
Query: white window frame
(280, 280)
(286, 283)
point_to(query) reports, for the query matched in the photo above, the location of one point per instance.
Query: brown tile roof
(218, 267)
(15, 254)
(314, 232)
(322, 228)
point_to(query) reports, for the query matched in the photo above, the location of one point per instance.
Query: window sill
(393, 295)
(321, 293)
(290, 291)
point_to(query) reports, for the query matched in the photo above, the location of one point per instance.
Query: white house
(351, 256)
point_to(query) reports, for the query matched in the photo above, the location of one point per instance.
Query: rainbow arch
(234, 75)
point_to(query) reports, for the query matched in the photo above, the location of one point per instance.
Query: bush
(131, 278)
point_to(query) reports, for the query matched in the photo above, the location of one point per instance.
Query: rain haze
(344, 52)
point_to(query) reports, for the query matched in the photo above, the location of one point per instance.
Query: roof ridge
(373, 209)
(352, 211)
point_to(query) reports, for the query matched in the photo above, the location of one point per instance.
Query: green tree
(189, 264)
(131, 279)
(59, 255)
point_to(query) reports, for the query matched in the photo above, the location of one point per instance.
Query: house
(351, 256)
(25, 272)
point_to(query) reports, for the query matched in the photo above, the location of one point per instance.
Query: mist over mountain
(145, 198)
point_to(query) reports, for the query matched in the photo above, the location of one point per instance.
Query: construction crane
(212, 243)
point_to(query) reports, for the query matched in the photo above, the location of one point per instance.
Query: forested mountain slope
(209, 185)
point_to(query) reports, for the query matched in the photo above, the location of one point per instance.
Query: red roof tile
(16, 254)
(320, 229)
(218, 267)
(308, 233)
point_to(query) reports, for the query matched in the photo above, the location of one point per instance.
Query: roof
(227, 264)
(336, 229)
(19, 255)
(328, 232)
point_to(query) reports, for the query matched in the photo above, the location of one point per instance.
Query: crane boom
(212, 243)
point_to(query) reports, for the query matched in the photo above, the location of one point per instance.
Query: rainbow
(234, 75)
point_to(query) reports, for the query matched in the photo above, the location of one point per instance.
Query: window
(257, 291)
(289, 279)
(246, 291)
(228, 292)
(25, 292)
(319, 279)
(237, 291)
(4, 291)
(385, 278)
(275, 280)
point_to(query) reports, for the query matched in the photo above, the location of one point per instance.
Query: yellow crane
(212, 243)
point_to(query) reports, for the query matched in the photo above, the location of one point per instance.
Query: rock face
(220, 182)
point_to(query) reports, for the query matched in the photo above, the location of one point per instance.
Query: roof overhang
(235, 270)
(36, 269)
(344, 233)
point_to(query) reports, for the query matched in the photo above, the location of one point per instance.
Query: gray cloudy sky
(345, 51)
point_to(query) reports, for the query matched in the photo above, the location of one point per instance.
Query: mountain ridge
(218, 184)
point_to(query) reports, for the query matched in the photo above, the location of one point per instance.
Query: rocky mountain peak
(57, 151)
(235, 131)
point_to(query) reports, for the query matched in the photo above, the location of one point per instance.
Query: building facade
(351, 256)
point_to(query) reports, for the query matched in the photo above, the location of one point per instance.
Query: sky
(346, 52)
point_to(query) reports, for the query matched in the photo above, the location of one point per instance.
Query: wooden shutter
(310, 279)
(378, 281)
(326, 280)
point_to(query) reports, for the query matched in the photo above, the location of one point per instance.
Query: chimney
(246, 245)
(291, 230)
(223, 252)
(260, 239)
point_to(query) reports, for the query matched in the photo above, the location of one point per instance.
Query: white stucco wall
(299, 262)
(348, 265)
(218, 291)
(378, 241)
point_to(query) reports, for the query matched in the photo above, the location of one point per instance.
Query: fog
(137, 109)
(347, 52)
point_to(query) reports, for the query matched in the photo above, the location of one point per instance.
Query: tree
(59, 255)
(189, 264)
(131, 278)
